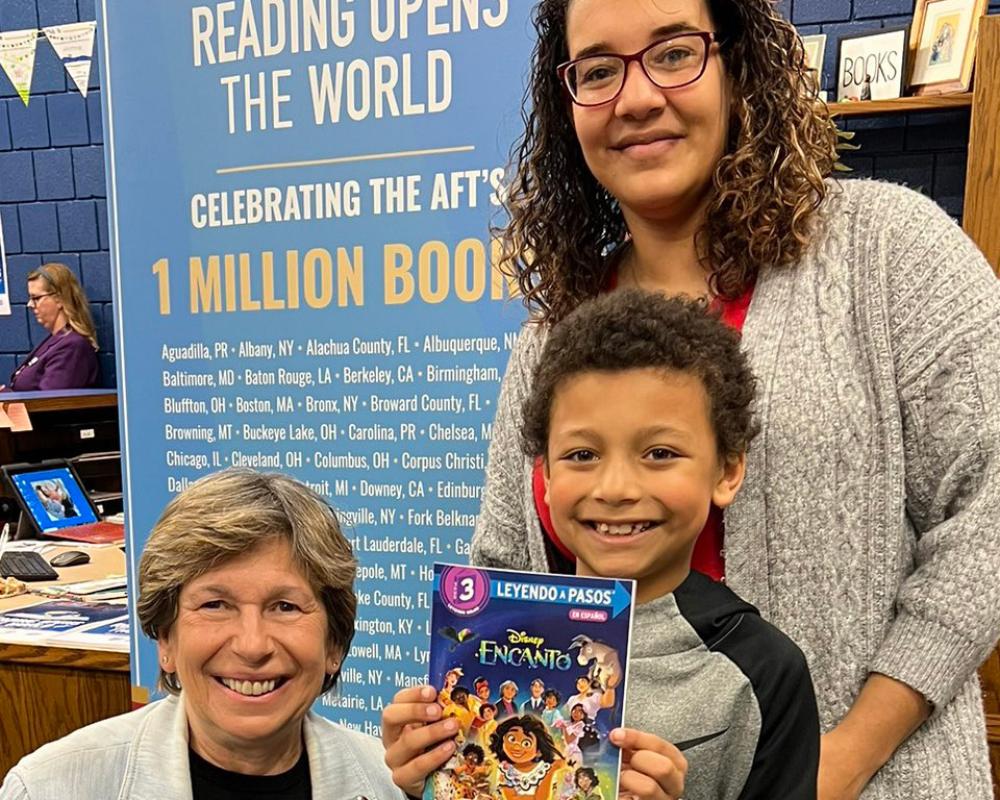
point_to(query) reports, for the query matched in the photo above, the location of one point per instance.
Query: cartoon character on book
(457, 637)
(484, 724)
(567, 786)
(506, 705)
(535, 704)
(481, 687)
(458, 707)
(572, 732)
(586, 781)
(528, 759)
(604, 668)
(592, 698)
(551, 714)
(472, 776)
(451, 678)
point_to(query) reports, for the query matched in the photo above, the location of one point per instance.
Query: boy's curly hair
(631, 329)
(766, 189)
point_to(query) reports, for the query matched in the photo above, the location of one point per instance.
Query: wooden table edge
(72, 658)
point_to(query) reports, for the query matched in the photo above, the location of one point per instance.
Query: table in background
(47, 692)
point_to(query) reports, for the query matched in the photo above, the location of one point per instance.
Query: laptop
(54, 503)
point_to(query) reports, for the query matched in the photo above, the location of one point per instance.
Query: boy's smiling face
(631, 471)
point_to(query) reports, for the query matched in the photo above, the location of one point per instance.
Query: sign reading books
(534, 669)
(872, 66)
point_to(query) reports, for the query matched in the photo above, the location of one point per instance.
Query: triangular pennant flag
(74, 44)
(17, 57)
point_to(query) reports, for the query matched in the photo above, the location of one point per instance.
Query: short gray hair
(229, 513)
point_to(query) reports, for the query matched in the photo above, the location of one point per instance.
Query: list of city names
(393, 430)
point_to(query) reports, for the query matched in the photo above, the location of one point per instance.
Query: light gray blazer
(867, 528)
(143, 755)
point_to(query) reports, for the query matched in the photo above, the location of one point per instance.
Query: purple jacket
(65, 360)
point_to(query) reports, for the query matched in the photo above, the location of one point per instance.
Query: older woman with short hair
(246, 584)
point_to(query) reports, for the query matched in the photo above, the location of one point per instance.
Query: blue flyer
(55, 616)
(534, 668)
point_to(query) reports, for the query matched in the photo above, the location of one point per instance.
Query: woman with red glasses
(676, 146)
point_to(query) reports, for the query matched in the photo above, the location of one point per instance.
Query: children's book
(534, 668)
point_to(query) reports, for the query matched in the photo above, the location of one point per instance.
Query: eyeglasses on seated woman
(67, 357)
(247, 585)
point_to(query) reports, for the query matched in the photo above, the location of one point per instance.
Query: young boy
(641, 413)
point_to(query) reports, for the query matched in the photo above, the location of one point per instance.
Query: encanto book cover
(534, 668)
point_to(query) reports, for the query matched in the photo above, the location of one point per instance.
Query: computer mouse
(70, 558)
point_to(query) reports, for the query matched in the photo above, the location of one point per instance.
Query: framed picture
(872, 66)
(943, 45)
(815, 48)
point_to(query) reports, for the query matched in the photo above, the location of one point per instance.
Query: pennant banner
(74, 44)
(17, 57)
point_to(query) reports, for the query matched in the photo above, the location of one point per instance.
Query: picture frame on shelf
(815, 50)
(943, 45)
(872, 65)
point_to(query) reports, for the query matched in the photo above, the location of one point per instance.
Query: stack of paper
(63, 623)
(105, 590)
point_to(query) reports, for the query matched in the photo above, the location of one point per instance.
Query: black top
(209, 782)
(786, 758)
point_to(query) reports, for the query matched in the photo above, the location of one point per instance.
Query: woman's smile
(644, 146)
(253, 689)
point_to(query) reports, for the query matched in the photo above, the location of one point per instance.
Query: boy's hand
(417, 741)
(652, 769)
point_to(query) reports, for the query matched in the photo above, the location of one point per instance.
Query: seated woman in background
(67, 357)
(247, 586)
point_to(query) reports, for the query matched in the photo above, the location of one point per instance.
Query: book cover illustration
(534, 669)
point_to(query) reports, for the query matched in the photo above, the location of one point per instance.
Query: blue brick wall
(52, 187)
(52, 160)
(925, 151)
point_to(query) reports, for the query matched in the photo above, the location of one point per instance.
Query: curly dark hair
(589, 772)
(475, 750)
(632, 329)
(530, 724)
(766, 189)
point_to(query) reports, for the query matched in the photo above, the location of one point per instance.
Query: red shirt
(707, 557)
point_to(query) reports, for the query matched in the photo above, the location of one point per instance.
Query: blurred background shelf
(900, 105)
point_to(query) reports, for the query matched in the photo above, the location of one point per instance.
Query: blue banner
(301, 195)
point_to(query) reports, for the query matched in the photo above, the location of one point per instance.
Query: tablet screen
(54, 498)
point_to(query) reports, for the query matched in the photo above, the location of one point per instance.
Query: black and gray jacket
(729, 689)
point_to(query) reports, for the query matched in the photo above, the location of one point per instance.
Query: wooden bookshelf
(982, 182)
(900, 105)
(981, 220)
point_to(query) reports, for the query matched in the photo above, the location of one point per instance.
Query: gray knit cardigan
(867, 528)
